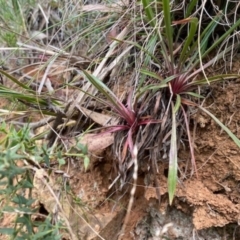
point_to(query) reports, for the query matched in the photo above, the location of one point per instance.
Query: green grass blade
(203, 41)
(156, 76)
(15, 80)
(173, 165)
(116, 104)
(208, 31)
(155, 87)
(146, 50)
(177, 104)
(16, 6)
(101, 87)
(192, 94)
(168, 27)
(151, 74)
(149, 12)
(192, 4)
(214, 79)
(222, 38)
(191, 35)
(226, 129)
(150, 48)
(29, 98)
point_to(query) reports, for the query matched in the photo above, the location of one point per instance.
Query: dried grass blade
(194, 167)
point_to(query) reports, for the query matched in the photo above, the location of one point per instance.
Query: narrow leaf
(148, 51)
(177, 104)
(117, 105)
(192, 94)
(168, 27)
(215, 78)
(194, 167)
(149, 12)
(151, 74)
(86, 162)
(191, 35)
(192, 4)
(194, 60)
(222, 38)
(173, 165)
(156, 76)
(7, 231)
(150, 48)
(15, 80)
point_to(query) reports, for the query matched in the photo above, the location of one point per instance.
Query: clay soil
(206, 205)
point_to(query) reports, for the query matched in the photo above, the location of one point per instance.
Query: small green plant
(129, 114)
(19, 158)
(16, 184)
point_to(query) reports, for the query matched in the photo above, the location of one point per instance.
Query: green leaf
(192, 94)
(149, 50)
(86, 162)
(155, 87)
(177, 104)
(41, 234)
(7, 231)
(151, 74)
(168, 27)
(173, 160)
(215, 78)
(225, 128)
(16, 6)
(26, 184)
(192, 4)
(83, 148)
(102, 88)
(204, 37)
(149, 12)
(222, 38)
(115, 103)
(61, 161)
(15, 80)
(18, 199)
(149, 56)
(156, 76)
(185, 53)
(9, 209)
